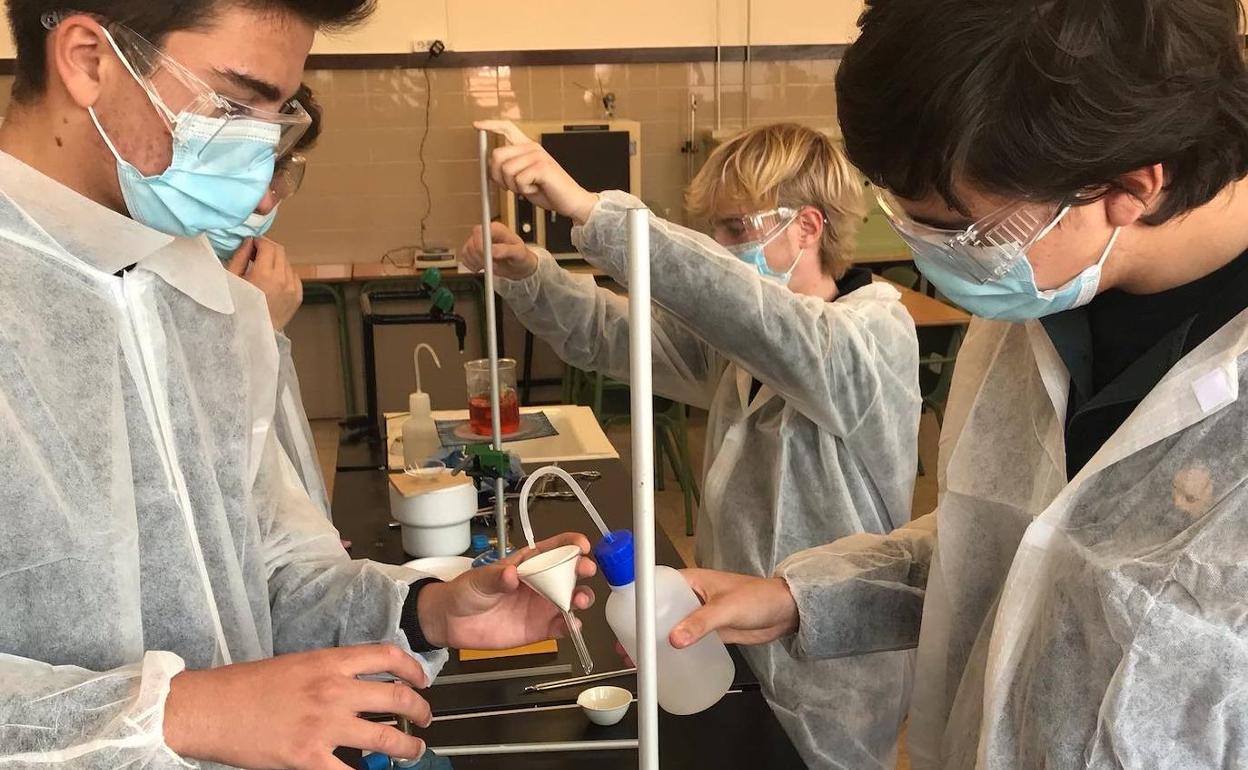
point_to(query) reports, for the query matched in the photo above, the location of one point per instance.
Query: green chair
(609, 401)
(332, 294)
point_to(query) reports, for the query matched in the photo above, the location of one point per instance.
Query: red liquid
(508, 414)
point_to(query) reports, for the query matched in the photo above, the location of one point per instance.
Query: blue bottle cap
(375, 762)
(480, 543)
(488, 557)
(614, 555)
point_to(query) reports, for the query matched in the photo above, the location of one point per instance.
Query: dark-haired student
(169, 594)
(1074, 174)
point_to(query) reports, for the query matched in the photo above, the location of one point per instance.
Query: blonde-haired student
(808, 368)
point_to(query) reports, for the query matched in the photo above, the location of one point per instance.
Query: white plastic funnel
(553, 574)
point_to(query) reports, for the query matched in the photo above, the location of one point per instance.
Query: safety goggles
(761, 227)
(176, 93)
(986, 250)
(288, 176)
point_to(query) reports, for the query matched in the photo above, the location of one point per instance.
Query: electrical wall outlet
(434, 46)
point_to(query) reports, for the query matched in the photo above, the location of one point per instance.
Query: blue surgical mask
(219, 174)
(753, 253)
(1013, 296)
(227, 241)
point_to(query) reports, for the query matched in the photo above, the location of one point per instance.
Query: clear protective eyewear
(987, 249)
(176, 92)
(748, 228)
(288, 176)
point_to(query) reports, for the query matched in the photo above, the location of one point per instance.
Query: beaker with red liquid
(479, 413)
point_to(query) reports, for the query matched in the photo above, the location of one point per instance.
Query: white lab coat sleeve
(832, 361)
(65, 716)
(861, 594)
(587, 326)
(319, 597)
(294, 432)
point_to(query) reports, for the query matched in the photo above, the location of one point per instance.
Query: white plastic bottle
(690, 680)
(420, 433)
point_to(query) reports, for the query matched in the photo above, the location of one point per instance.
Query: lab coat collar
(110, 242)
(1203, 383)
(192, 267)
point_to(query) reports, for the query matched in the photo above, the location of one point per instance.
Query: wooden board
(928, 311)
(550, 646)
(411, 486)
(324, 273)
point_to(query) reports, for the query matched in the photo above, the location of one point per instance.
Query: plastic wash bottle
(420, 433)
(690, 680)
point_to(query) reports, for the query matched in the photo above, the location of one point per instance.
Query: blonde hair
(785, 164)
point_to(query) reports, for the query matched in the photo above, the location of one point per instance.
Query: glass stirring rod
(578, 641)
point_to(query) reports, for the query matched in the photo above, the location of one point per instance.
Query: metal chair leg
(599, 382)
(681, 431)
(344, 347)
(376, 430)
(526, 390)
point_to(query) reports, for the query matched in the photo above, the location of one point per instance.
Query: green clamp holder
(442, 299)
(495, 463)
(482, 461)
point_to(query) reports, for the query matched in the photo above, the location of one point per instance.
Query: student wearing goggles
(808, 370)
(984, 267)
(1075, 173)
(222, 154)
(166, 579)
(748, 236)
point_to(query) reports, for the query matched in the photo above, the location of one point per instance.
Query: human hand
(263, 263)
(488, 608)
(292, 711)
(512, 258)
(743, 609)
(524, 167)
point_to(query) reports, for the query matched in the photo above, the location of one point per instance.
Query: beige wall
(363, 197)
(562, 24)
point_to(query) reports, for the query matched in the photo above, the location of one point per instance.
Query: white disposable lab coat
(151, 520)
(1098, 623)
(294, 432)
(826, 449)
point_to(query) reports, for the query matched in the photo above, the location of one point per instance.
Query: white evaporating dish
(605, 705)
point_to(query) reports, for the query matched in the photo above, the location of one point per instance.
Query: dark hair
(153, 19)
(1047, 99)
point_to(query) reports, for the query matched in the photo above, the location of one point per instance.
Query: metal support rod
(505, 712)
(749, 58)
(499, 676)
(535, 748)
(500, 501)
(577, 681)
(642, 394)
(719, 63)
(690, 163)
